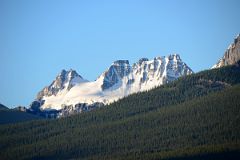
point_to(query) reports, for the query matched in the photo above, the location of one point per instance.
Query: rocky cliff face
(64, 81)
(69, 92)
(160, 70)
(232, 54)
(145, 74)
(115, 73)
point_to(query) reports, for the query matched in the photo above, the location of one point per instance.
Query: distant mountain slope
(69, 92)
(195, 115)
(2, 107)
(13, 116)
(232, 54)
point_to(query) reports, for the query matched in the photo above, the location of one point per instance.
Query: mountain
(194, 117)
(2, 107)
(232, 54)
(15, 115)
(64, 81)
(69, 92)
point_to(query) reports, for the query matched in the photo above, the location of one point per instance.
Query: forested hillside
(14, 116)
(195, 117)
(2, 107)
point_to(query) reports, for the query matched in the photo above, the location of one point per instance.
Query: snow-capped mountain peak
(119, 80)
(64, 81)
(115, 73)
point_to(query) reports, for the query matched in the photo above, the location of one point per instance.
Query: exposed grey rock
(115, 73)
(68, 110)
(142, 60)
(65, 80)
(21, 108)
(167, 68)
(231, 55)
(120, 77)
(35, 105)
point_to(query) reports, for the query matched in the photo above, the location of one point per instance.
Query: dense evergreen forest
(195, 117)
(13, 116)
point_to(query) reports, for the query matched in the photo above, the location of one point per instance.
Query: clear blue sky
(38, 38)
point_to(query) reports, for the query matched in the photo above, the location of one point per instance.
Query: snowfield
(119, 80)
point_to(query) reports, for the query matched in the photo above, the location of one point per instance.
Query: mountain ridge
(118, 81)
(64, 80)
(193, 115)
(70, 93)
(231, 55)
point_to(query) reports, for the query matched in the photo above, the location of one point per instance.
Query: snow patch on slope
(118, 81)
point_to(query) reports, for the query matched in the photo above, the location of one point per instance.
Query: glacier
(70, 92)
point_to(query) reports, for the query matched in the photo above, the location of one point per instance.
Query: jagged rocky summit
(231, 55)
(69, 93)
(64, 81)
